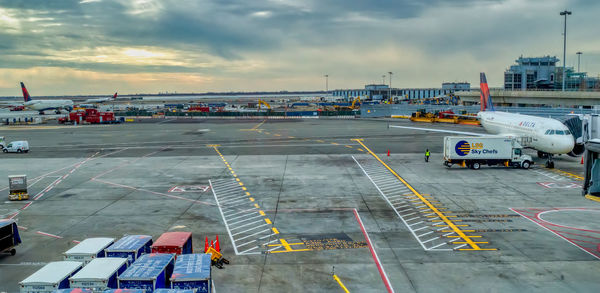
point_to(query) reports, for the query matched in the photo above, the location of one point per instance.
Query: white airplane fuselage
(547, 135)
(41, 105)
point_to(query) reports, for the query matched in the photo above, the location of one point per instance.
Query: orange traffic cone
(217, 245)
(206, 245)
(388, 153)
(212, 244)
(582, 160)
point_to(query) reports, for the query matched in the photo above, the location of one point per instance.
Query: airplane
(546, 135)
(42, 105)
(100, 100)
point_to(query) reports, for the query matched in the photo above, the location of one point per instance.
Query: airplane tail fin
(26, 95)
(486, 98)
(114, 96)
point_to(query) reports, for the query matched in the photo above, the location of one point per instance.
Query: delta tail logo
(462, 148)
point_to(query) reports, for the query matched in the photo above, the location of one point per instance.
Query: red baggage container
(173, 242)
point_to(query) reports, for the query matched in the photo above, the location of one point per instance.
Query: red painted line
(26, 206)
(22, 227)
(76, 242)
(384, 277)
(48, 234)
(13, 215)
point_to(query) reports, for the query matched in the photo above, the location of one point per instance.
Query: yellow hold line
(261, 213)
(337, 279)
(275, 230)
(268, 221)
(425, 201)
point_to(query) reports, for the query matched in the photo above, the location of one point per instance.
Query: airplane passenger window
(560, 132)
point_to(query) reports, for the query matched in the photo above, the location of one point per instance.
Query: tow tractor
(214, 249)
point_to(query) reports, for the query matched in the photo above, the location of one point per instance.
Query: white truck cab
(21, 146)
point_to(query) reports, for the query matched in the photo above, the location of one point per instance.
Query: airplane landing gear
(542, 155)
(550, 162)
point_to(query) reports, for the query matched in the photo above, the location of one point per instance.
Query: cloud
(285, 44)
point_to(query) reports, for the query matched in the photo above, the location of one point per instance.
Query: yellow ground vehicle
(261, 102)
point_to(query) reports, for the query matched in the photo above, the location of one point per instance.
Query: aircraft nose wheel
(550, 162)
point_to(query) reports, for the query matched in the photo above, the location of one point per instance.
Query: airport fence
(384, 110)
(316, 114)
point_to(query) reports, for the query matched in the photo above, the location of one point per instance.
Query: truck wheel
(476, 166)
(5, 150)
(525, 165)
(13, 251)
(19, 151)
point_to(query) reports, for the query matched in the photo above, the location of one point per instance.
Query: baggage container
(9, 236)
(149, 272)
(173, 242)
(192, 271)
(99, 274)
(51, 277)
(174, 291)
(73, 290)
(17, 187)
(130, 247)
(125, 291)
(88, 249)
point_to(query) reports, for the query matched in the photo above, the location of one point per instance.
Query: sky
(148, 46)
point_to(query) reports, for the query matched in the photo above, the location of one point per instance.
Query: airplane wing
(440, 130)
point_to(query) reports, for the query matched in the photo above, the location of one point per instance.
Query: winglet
(485, 97)
(114, 96)
(26, 95)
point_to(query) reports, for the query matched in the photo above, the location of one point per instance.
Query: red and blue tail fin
(26, 95)
(486, 98)
(114, 96)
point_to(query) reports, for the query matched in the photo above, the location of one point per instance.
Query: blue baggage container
(53, 276)
(149, 272)
(74, 290)
(192, 271)
(130, 247)
(9, 236)
(174, 291)
(100, 274)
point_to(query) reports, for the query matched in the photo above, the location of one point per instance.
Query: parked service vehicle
(53, 276)
(17, 187)
(100, 274)
(173, 242)
(9, 236)
(472, 152)
(149, 272)
(192, 271)
(130, 247)
(89, 249)
(20, 146)
(2, 143)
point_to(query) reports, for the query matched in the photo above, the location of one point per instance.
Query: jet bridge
(591, 139)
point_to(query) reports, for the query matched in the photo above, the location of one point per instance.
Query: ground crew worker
(427, 155)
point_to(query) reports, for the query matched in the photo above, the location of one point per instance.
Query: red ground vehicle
(17, 108)
(91, 116)
(173, 242)
(198, 109)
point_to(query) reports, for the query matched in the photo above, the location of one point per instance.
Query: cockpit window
(547, 132)
(551, 132)
(560, 132)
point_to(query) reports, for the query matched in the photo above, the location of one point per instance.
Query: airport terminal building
(383, 91)
(542, 73)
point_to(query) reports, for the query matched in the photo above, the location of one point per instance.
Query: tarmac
(294, 201)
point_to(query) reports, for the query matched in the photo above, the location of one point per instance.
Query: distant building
(382, 92)
(533, 73)
(456, 86)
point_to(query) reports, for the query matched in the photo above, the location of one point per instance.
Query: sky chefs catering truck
(51, 277)
(473, 152)
(88, 249)
(100, 274)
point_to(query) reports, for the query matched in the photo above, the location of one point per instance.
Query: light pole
(564, 73)
(326, 83)
(390, 73)
(578, 60)
(383, 79)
